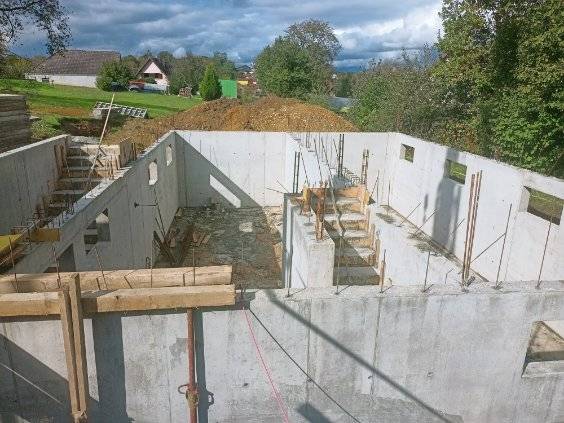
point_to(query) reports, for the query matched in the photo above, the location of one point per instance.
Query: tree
(317, 37)
(210, 89)
(224, 67)
(285, 69)
(319, 40)
(502, 72)
(187, 72)
(167, 60)
(47, 15)
(115, 74)
(344, 84)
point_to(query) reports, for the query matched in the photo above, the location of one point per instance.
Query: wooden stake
(79, 344)
(68, 340)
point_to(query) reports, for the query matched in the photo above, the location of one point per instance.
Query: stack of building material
(15, 128)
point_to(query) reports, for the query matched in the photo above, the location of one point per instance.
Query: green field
(53, 104)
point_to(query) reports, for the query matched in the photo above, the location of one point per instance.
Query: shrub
(112, 74)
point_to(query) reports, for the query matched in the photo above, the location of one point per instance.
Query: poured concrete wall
(238, 169)
(440, 204)
(378, 356)
(131, 228)
(26, 174)
(307, 262)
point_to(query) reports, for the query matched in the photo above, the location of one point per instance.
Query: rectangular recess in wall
(97, 231)
(407, 152)
(455, 171)
(545, 206)
(545, 352)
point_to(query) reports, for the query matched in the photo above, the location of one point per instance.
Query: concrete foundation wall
(74, 80)
(442, 203)
(233, 168)
(26, 173)
(131, 228)
(306, 261)
(461, 354)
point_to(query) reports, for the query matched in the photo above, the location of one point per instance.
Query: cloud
(366, 28)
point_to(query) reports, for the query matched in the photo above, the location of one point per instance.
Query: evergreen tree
(210, 89)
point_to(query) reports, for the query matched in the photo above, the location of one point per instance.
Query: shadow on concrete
(447, 204)
(110, 367)
(431, 412)
(312, 414)
(206, 399)
(213, 185)
(31, 391)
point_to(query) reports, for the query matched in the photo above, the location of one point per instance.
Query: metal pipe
(191, 389)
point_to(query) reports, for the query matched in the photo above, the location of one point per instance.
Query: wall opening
(97, 231)
(455, 171)
(153, 172)
(407, 152)
(65, 262)
(545, 206)
(168, 153)
(545, 353)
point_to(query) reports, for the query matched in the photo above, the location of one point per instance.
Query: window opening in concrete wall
(65, 262)
(153, 172)
(168, 153)
(407, 152)
(545, 353)
(543, 205)
(455, 171)
(97, 231)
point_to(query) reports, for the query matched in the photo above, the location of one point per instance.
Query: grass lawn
(55, 103)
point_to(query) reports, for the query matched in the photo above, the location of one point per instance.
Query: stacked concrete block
(15, 127)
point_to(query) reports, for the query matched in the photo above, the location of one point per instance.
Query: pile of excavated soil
(266, 114)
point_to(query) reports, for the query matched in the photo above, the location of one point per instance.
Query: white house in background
(73, 67)
(154, 68)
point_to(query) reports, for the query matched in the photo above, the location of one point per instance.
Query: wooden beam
(68, 341)
(137, 299)
(45, 235)
(159, 298)
(119, 279)
(79, 344)
(29, 304)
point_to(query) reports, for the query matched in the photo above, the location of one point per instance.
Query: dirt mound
(266, 114)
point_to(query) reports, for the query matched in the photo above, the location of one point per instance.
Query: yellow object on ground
(5, 242)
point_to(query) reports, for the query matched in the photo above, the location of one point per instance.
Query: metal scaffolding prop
(71, 296)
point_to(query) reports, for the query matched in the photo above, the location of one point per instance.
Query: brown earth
(266, 114)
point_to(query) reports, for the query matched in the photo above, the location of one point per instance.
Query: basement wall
(461, 354)
(131, 228)
(237, 169)
(440, 203)
(26, 174)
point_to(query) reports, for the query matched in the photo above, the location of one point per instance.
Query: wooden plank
(159, 298)
(29, 304)
(79, 344)
(46, 235)
(68, 341)
(119, 279)
(139, 299)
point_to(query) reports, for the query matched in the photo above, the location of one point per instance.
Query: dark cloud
(241, 28)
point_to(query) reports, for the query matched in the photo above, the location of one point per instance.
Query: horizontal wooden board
(119, 279)
(139, 299)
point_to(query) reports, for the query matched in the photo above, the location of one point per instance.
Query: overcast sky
(366, 28)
